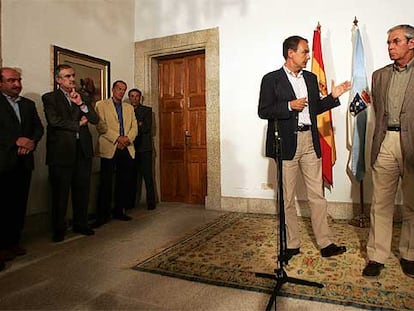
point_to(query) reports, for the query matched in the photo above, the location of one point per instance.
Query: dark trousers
(75, 179)
(123, 166)
(143, 164)
(14, 191)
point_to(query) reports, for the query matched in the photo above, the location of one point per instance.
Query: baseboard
(337, 210)
(39, 223)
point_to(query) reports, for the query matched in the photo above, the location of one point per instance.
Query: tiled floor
(94, 273)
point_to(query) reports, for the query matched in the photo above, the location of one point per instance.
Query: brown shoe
(18, 250)
(6, 255)
(407, 267)
(372, 268)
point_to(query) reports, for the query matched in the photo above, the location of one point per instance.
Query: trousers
(387, 171)
(309, 166)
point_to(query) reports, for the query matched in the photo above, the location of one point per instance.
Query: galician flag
(325, 128)
(358, 114)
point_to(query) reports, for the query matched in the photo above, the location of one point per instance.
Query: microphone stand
(280, 275)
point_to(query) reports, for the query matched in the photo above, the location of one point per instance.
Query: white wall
(251, 36)
(103, 29)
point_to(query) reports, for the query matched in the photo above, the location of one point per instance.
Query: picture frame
(92, 73)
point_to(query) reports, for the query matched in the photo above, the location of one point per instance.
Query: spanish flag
(325, 128)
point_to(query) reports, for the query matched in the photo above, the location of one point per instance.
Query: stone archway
(146, 78)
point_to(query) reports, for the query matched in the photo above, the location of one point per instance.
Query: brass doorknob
(187, 137)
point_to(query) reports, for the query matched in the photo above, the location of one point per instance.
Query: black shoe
(332, 250)
(407, 267)
(372, 268)
(6, 255)
(18, 250)
(290, 252)
(2, 265)
(151, 207)
(58, 237)
(98, 223)
(84, 231)
(122, 217)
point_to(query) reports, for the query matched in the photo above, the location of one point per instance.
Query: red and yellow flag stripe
(325, 127)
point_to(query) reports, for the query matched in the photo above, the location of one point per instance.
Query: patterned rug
(232, 249)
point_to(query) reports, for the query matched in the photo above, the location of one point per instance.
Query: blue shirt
(14, 105)
(118, 108)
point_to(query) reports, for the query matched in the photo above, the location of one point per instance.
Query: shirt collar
(409, 65)
(11, 99)
(291, 73)
(67, 95)
(115, 102)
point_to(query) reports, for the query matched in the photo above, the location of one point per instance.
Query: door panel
(183, 149)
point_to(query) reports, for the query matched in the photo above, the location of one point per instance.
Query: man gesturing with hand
(290, 101)
(69, 152)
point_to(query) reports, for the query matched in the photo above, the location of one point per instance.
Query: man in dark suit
(290, 100)
(69, 152)
(21, 130)
(143, 148)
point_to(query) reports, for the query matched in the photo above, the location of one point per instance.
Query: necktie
(118, 108)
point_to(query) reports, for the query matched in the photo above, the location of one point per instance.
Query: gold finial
(318, 26)
(355, 21)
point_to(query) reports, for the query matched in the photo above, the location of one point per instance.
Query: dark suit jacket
(275, 92)
(143, 142)
(11, 129)
(62, 128)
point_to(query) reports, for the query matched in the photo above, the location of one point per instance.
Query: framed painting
(92, 74)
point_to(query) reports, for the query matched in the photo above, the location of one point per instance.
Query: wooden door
(183, 152)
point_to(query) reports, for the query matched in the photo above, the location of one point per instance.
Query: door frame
(147, 53)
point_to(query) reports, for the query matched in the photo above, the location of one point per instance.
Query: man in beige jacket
(117, 130)
(392, 155)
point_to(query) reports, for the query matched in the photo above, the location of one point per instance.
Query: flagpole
(361, 220)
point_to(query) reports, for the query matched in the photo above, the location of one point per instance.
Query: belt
(303, 128)
(394, 128)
